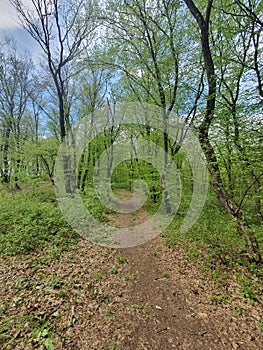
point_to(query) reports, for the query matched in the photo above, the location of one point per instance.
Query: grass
(214, 243)
(213, 232)
(31, 221)
(94, 205)
(32, 225)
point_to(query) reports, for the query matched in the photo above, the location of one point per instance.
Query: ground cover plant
(153, 100)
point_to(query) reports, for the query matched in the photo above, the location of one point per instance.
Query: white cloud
(9, 25)
(8, 17)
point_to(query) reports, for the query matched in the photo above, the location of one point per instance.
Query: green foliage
(111, 313)
(49, 344)
(214, 240)
(99, 276)
(136, 308)
(213, 229)
(30, 221)
(250, 288)
(220, 299)
(57, 283)
(94, 205)
(113, 271)
(239, 309)
(121, 259)
(114, 345)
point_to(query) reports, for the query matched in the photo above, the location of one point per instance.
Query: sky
(7, 15)
(9, 26)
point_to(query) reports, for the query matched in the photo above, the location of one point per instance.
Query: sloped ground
(147, 297)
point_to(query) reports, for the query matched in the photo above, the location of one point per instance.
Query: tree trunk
(5, 166)
(167, 204)
(222, 195)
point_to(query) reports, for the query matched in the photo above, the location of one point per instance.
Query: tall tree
(252, 14)
(234, 45)
(63, 30)
(233, 209)
(15, 89)
(150, 35)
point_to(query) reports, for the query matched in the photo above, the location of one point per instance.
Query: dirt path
(178, 312)
(148, 297)
(167, 321)
(132, 219)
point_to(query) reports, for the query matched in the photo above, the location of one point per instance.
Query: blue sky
(9, 26)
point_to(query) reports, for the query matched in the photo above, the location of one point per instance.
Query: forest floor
(147, 297)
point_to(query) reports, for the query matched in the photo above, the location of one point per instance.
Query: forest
(129, 111)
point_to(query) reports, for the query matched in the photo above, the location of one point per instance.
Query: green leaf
(44, 333)
(55, 314)
(49, 344)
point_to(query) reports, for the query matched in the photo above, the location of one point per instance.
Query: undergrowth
(30, 220)
(213, 242)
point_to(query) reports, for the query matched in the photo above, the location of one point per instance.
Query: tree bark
(222, 195)
(5, 165)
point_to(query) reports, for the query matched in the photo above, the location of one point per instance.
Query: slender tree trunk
(167, 204)
(80, 169)
(223, 196)
(18, 159)
(86, 166)
(5, 166)
(50, 170)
